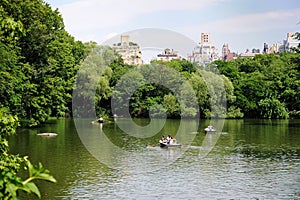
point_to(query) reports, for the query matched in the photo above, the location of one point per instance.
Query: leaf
(33, 188)
(31, 169)
(11, 188)
(39, 173)
(47, 177)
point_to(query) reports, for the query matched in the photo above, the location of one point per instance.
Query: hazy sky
(243, 24)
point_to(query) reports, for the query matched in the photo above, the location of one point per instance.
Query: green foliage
(10, 183)
(272, 108)
(39, 61)
(157, 111)
(234, 113)
(188, 101)
(201, 91)
(119, 68)
(130, 88)
(157, 88)
(93, 81)
(171, 105)
(10, 30)
(10, 165)
(183, 66)
(8, 123)
(265, 86)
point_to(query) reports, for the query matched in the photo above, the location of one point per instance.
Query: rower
(169, 139)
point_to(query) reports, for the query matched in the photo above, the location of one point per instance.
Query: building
(275, 48)
(248, 55)
(287, 46)
(266, 48)
(255, 50)
(168, 55)
(205, 52)
(226, 54)
(225, 51)
(290, 42)
(129, 51)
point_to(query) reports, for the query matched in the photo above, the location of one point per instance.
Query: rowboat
(100, 120)
(169, 143)
(166, 145)
(47, 134)
(210, 129)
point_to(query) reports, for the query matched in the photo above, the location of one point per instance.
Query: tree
(272, 108)
(201, 91)
(188, 101)
(171, 105)
(42, 63)
(93, 81)
(265, 86)
(127, 95)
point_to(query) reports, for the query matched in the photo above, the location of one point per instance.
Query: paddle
(153, 145)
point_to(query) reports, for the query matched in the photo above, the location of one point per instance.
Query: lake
(246, 159)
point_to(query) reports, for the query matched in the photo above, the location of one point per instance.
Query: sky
(242, 24)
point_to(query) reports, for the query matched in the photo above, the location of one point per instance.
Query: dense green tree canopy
(266, 86)
(39, 62)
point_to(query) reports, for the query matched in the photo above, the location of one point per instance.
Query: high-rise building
(125, 39)
(266, 48)
(205, 38)
(288, 45)
(226, 54)
(275, 48)
(290, 42)
(225, 51)
(129, 51)
(205, 52)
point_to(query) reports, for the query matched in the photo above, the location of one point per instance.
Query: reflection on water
(252, 159)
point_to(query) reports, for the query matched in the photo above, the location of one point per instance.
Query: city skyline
(203, 53)
(240, 24)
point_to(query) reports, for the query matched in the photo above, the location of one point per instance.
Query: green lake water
(246, 159)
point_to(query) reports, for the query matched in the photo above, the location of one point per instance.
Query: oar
(94, 121)
(153, 145)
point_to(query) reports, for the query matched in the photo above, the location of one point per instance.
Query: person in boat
(100, 120)
(173, 140)
(163, 139)
(168, 139)
(210, 128)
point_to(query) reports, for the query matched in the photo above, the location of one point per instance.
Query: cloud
(95, 14)
(99, 20)
(258, 22)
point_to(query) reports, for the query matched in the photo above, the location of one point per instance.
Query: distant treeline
(40, 61)
(266, 86)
